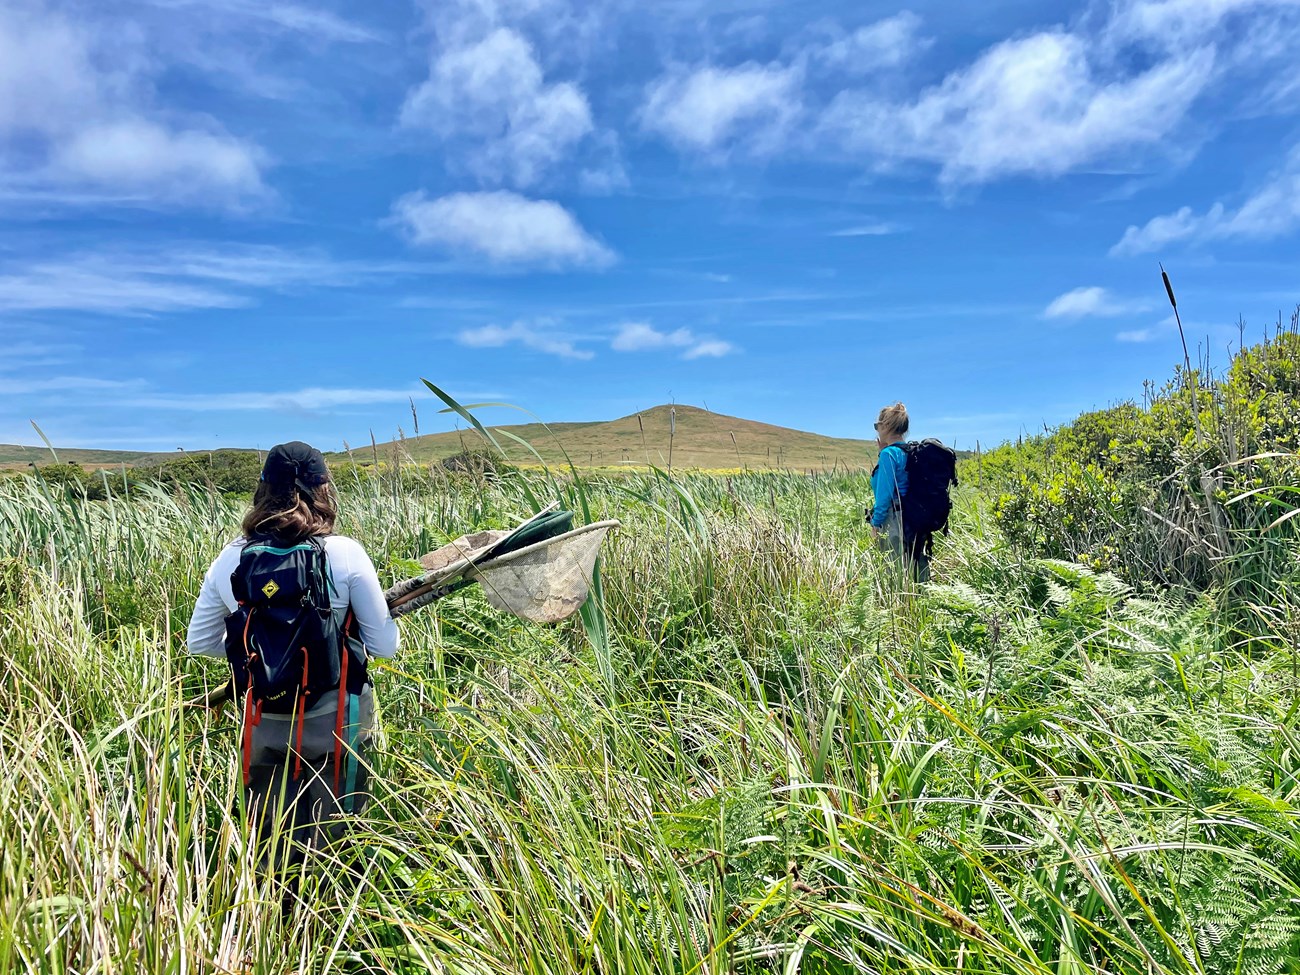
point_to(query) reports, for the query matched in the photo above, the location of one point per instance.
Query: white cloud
(1036, 105)
(1091, 302)
(75, 114)
(638, 336)
(493, 91)
(504, 227)
(711, 348)
(532, 335)
(885, 44)
(1159, 231)
(141, 156)
(1272, 211)
(641, 337)
(1136, 335)
(867, 230)
(710, 108)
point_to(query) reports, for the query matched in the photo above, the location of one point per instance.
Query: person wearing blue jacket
(889, 485)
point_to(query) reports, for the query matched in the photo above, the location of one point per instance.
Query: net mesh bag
(455, 557)
(547, 581)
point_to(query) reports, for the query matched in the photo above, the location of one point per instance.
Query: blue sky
(235, 222)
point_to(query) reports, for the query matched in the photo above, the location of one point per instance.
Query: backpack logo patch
(270, 589)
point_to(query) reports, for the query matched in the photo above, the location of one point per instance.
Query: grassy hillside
(17, 455)
(697, 439)
(691, 436)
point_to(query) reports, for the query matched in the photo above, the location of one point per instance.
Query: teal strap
(349, 745)
(276, 550)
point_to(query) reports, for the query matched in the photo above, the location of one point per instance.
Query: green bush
(227, 471)
(1185, 490)
(63, 475)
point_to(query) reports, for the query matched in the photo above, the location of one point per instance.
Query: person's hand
(877, 530)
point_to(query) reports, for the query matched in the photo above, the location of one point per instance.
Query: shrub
(63, 475)
(1182, 490)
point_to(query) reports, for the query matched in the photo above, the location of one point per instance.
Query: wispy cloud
(536, 335)
(180, 278)
(304, 20)
(868, 230)
(69, 287)
(311, 399)
(1091, 302)
(16, 386)
(1272, 211)
(642, 337)
(503, 227)
(24, 355)
(1178, 23)
(294, 18)
(1161, 329)
(874, 47)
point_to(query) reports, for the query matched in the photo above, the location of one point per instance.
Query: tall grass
(781, 758)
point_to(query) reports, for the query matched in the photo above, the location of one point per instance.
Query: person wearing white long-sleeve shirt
(295, 500)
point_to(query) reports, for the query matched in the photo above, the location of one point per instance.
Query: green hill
(16, 455)
(694, 438)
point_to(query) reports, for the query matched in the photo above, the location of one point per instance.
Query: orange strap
(302, 713)
(248, 733)
(249, 657)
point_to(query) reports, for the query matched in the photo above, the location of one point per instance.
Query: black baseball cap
(295, 463)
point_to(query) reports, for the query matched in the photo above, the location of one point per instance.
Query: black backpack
(931, 473)
(282, 641)
(285, 648)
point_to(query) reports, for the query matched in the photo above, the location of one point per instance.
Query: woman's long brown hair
(290, 514)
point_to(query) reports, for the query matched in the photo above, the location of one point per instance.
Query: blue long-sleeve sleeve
(889, 483)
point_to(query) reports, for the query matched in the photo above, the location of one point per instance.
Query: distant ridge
(17, 455)
(693, 436)
(688, 435)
